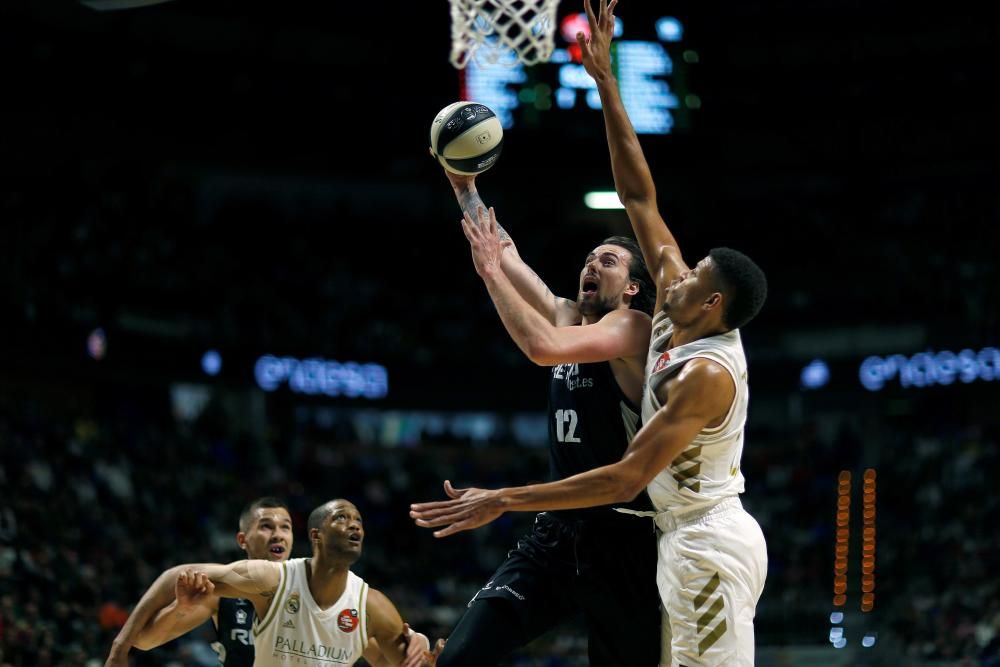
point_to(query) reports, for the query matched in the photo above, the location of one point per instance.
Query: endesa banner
(926, 369)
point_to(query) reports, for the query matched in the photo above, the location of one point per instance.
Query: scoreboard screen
(650, 63)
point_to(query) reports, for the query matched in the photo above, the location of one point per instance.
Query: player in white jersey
(265, 533)
(712, 555)
(310, 611)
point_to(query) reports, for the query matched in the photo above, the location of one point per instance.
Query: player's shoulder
(703, 386)
(704, 372)
(629, 317)
(376, 597)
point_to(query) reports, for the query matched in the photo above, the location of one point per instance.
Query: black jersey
(234, 642)
(591, 423)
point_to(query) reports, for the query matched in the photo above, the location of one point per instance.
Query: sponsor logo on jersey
(293, 604)
(510, 590)
(571, 374)
(288, 624)
(661, 363)
(286, 647)
(239, 635)
(241, 617)
(347, 620)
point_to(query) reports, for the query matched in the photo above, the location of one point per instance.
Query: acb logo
(347, 620)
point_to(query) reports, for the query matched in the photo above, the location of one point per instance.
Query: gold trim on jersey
(683, 475)
(688, 455)
(363, 612)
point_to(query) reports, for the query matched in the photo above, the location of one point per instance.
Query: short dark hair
(742, 283)
(645, 298)
(319, 515)
(247, 515)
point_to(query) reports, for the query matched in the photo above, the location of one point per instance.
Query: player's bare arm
(256, 580)
(418, 651)
(194, 603)
(619, 334)
(386, 627)
(698, 398)
(633, 180)
(557, 310)
(159, 595)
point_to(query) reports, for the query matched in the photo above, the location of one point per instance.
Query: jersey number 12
(562, 418)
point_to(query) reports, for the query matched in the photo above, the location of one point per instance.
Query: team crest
(661, 363)
(347, 620)
(241, 617)
(293, 604)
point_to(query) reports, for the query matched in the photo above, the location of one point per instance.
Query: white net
(502, 31)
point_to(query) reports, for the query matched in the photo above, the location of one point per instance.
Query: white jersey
(295, 631)
(708, 470)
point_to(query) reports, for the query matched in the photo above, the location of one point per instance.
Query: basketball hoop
(502, 31)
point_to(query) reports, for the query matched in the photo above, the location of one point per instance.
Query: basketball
(466, 138)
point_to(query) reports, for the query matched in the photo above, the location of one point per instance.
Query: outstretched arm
(254, 579)
(620, 333)
(194, 603)
(557, 310)
(701, 393)
(158, 596)
(633, 180)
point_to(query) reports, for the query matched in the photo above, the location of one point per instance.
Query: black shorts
(604, 568)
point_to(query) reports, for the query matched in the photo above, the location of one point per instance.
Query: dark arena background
(231, 269)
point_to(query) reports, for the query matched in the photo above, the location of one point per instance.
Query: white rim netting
(502, 32)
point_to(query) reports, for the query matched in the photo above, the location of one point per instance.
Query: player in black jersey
(594, 562)
(265, 533)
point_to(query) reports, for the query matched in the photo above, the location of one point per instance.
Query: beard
(596, 306)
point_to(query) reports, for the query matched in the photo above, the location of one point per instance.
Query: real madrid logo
(347, 620)
(241, 617)
(292, 605)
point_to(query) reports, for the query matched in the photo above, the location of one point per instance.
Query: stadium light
(211, 363)
(602, 200)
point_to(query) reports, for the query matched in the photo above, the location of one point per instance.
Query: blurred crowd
(92, 508)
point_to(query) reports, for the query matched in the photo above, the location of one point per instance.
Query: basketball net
(502, 31)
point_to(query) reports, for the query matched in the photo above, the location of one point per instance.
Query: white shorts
(710, 573)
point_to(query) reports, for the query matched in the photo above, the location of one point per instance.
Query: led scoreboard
(651, 75)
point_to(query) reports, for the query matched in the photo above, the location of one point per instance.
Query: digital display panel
(647, 60)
